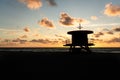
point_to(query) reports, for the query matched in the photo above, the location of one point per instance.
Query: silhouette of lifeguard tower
(79, 40)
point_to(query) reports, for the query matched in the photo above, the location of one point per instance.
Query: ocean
(100, 50)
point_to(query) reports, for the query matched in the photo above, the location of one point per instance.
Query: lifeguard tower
(79, 40)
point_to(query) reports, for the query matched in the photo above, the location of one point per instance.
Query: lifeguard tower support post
(79, 41)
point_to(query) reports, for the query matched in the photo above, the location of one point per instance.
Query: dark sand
(84, 64)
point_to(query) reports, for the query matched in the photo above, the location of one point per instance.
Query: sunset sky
(45, 23)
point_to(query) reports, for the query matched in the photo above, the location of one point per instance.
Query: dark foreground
(83, 64)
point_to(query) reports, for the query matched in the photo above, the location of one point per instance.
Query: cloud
(32, 4)
(94, 17)
(45, 41)
(49, 41)
(6, 40)
(110, 32)
(21, 41)
(67, 20)
(61, 36)
(46, 23)
(36, 35)
(114, 40)
(24, 36)
(51, 2)
(116, 29)
(112, 10)
(26, 29)
(11, 32)
(98, 34)
(107, 31)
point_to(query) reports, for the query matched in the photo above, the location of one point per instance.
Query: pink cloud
(24, 36)
(32, 4)
(98, 34)
(115, 39)
(116, 29)
(46, 23)
(26, 29)
(67, 20)
(94, 17)
(112, 10)
(21, 41)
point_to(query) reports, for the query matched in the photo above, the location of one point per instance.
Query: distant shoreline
(49, 47)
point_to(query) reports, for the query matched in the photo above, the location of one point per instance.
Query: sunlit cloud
(26, 29)
(51, 2)
(106, 36)
(61, 36)
(102, 43)
(115, 39)
(32, 4)
(11, 32)
(6, 40)
(98, 34)
(107, 31)
(110, 32)
(46, 23)
(24, 36)
(44, 41)
(112, 10)
(36, 35)
(48, 41)
(104, 31)
(116, 29)
(67, 20)
(18, 40)
(94, 17)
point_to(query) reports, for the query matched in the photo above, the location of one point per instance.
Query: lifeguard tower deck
(79, 41)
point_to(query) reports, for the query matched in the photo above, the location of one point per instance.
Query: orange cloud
(110, 32)
(26, 29)
(94, 17)
(116, 29)
(24, 36)
(32, 4)
(21, 41)
(98, 34)
(36, 35)
(56, 42)
(46, 23)
(67, 20)
(112, 10)
(115, 39)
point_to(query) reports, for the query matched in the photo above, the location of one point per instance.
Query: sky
(45, 23)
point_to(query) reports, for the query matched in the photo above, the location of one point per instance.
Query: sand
(84, 64)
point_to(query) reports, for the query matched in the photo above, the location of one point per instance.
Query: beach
(84, 64)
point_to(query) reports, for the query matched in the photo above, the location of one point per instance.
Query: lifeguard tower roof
(80, 32)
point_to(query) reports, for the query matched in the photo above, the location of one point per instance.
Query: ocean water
(100, 50)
